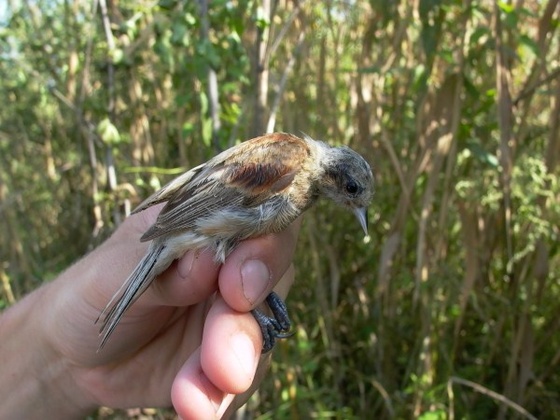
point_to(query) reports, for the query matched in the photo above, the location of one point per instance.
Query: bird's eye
(352, 187)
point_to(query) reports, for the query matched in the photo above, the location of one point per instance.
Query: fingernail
(255, 278)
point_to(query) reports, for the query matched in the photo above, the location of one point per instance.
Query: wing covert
(245, 175)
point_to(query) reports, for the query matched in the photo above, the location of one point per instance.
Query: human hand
(181, 343)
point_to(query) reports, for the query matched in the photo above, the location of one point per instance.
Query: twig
(110, 161)
(282, 85)
(213, 93)
(492, 394)
(531, 89)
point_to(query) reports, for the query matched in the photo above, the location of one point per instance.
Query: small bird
(257, 187)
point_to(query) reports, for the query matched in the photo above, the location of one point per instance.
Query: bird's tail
(136, 284)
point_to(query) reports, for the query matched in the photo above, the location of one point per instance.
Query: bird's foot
(276, 326)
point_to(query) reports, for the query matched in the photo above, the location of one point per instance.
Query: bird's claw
(276, 326)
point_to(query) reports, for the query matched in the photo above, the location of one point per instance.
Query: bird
(254, 188)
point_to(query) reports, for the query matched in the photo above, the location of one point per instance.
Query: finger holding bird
(255, 188)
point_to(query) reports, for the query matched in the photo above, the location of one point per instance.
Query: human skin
(189, 341)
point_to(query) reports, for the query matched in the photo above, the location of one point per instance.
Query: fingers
(254, 268)
(192, 394)
(226, 363)
(245, 279)
(231, 370)
(189, 280)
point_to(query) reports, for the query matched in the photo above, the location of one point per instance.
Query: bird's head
(348, 181)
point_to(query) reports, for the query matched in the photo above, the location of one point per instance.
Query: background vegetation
(451, 310)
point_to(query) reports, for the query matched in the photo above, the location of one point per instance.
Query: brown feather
(257, 187)
(248, 174)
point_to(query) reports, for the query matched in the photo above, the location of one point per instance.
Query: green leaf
(207, 132)
(262, 21)
(203, 103)
(117, 55)
(529, 43)
(187, 129)
(506, 7)
(433, 415)
(108, 132)
(482, 155)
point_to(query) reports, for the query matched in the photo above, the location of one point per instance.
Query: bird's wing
(245, 175)
(167, 190)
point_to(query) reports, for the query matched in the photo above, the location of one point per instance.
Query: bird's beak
(361, 214)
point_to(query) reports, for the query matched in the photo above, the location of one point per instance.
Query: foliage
(451, 310)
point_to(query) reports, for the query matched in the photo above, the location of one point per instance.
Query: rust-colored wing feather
(247, 174)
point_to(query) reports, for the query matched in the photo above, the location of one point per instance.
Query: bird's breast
(238, 222)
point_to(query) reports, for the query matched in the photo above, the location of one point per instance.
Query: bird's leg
(276, 326)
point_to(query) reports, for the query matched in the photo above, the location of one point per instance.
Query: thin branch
(280, 37)
(505, 124)
(261, 70)
(282, 85)
(531, 89)
(109, 159)
(213, 93)
(492, 394)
